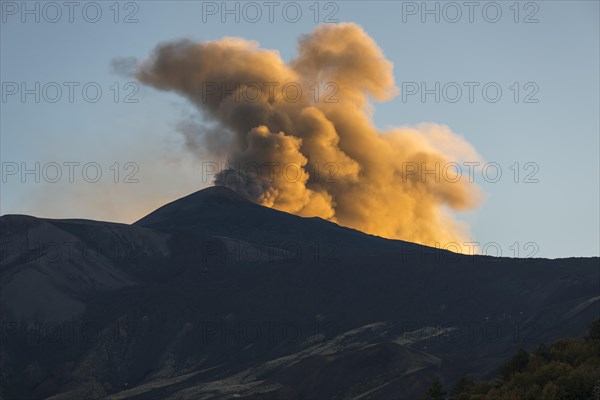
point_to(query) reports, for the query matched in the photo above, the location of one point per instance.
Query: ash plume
(325, 156)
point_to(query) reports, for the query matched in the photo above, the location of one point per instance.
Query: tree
(435, 392)
(517, 363)
(543, 352)
(593, 334)
(461, 385)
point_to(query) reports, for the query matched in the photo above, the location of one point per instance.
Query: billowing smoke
(299, 136)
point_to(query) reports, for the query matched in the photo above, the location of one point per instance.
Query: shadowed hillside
(213, 296)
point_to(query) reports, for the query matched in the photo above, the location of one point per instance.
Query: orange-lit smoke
(347, 170)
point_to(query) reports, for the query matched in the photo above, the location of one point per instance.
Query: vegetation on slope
(568, 369)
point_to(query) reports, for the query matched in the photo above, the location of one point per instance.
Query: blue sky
(554, 60)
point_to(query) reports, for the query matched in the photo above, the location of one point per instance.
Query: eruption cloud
(347, 170)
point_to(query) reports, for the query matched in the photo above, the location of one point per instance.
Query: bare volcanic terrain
(215, 297)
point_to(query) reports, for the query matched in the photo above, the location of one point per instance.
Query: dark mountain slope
(213, 296)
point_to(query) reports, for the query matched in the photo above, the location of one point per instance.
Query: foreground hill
(213, 296)
(568, 369)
